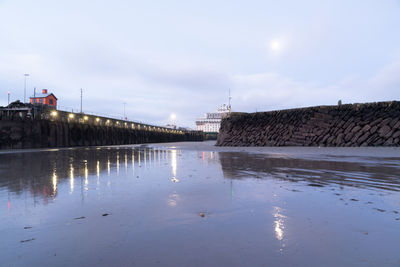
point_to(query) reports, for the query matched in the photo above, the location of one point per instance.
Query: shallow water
(193, 204)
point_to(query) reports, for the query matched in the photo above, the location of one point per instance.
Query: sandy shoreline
(194, 204)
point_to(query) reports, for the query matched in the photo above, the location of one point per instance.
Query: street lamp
(125, 118)
(9, 93)
(81, 98)
(173, 117)
(25, 75)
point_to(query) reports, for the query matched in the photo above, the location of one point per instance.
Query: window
(51, 101)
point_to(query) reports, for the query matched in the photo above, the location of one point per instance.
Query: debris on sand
(105, 214)
(381, 210)
(27, 240)
(80, 218)
(202, 214)
(315, 185)
(353, 199)
(27, 227)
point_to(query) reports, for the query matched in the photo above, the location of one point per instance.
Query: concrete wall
(371, 124)
(43, 133)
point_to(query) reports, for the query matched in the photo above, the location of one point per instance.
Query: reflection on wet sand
(42, 175)
(174, 166)
(173, 206)
(358, 172)
(279, 221)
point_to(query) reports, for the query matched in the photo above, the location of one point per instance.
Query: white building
(212, 121)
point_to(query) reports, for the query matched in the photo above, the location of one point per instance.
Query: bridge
(39, 126)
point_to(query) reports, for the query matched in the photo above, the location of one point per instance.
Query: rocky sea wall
(350, 125)
(26, 133)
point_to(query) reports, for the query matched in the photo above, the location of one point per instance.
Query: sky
(182, 57)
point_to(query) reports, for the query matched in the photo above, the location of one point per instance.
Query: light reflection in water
(86, 175)
(98, 173)
(126, 163)
(174, 166)
(173, 199)
(145, 157)
(133, 162)
(54, 183)
(108, 167)
(71, 177)
(117, 163)
(94, 163)
(279, 225)
(150, 156)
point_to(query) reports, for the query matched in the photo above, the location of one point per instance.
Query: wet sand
(194, 204)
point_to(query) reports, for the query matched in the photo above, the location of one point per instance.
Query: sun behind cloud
(275, 45)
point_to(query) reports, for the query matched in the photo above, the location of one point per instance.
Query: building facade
(211, 122)
(44, 98)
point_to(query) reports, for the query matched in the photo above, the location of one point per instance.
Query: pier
(35, 126)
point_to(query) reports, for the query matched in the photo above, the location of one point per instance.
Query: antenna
(25, 75)
(125, 118)
(229, 100)
(81, 99)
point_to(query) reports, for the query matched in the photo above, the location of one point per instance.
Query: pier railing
(84, 118)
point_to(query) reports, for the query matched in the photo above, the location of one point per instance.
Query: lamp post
(173, 117)
(125, 118)
(25, 75)
(81, 98)
(229, 100)
(9, 98)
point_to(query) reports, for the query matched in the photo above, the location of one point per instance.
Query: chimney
(44, 91)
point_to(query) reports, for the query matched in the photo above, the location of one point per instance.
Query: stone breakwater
(350, 125)
(47, 134)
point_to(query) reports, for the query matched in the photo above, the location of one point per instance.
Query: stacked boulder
(352, 125)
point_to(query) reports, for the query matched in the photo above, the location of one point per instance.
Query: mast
(229, 101)
(81, 98)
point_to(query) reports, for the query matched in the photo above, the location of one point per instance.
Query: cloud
(387, 79)
(269, 91)
(170, 60)
(153, 90)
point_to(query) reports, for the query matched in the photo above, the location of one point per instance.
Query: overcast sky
(182, 57)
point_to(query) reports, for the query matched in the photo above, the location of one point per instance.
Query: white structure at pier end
(211, 122)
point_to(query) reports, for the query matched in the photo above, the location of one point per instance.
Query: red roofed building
(44, 98)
